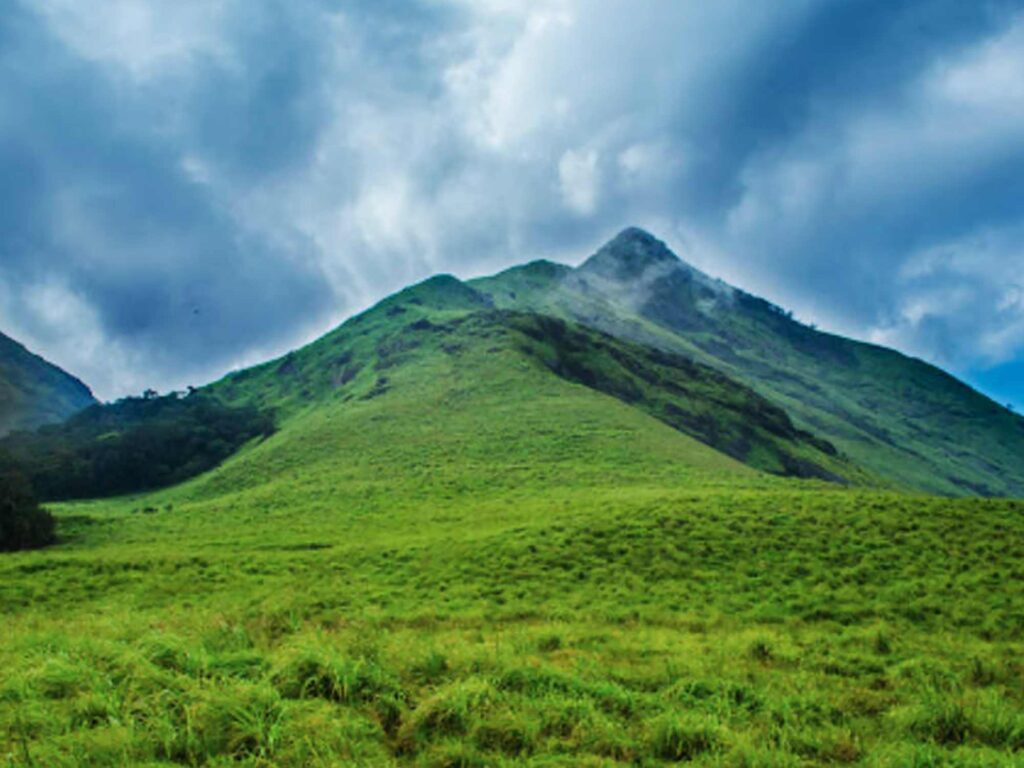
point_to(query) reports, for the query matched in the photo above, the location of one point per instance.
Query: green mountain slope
(477, 539)
(440, 345)
(898, 417)
(486, 536)
(34, 392)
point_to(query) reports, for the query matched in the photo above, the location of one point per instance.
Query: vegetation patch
(132, 445)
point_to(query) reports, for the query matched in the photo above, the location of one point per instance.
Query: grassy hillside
(394, 581)
(34, 392)
(898, 417)
(443, 328)
(476, 539)
(483, 536)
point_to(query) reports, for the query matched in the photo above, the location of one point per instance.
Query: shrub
(882, 643)
(505, 733)
(455, 754)
(240, 722)
(941, 721)
(132, 445)
(23, 523)
(549, 643)
(172, 654)
(761, 650)
(431, 668)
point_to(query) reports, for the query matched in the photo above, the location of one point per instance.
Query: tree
(135, 444)
(23, 523)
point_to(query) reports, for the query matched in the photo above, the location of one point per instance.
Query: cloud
(194, 185)
(968, 289)
(873, 190)
(145, 40)
(580, 180)
(103, 216)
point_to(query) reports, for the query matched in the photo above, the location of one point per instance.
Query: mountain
(446, 338)
(633, 325)
(483, 534)
(900, 418)
(34, 392)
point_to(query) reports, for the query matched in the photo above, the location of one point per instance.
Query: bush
(23, 523)
(448, 713)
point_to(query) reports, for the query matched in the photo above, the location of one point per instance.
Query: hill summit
(727, 368)
(630, 255)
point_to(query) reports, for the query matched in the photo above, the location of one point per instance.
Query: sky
(191, 186)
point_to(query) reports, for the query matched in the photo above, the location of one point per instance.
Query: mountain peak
(635, 234)
(629, 254)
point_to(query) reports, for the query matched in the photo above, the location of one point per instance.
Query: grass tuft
(684, 737)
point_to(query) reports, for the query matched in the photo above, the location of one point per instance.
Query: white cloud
(968, 291)
(66, 325)
(580, 180)
(878, 195)
(145, 39)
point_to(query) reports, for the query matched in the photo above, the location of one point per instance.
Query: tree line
(135, 444)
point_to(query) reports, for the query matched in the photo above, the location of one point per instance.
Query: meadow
(637, 628)
(479, 563)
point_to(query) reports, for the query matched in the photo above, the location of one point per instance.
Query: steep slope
(434, 357)
(34, 392)
(899, 417)
(438, 358)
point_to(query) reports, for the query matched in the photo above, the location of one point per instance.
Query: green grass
(616, 626)
(482, 563)
(453, 553)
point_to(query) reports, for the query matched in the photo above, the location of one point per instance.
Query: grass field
(600, 627)
(478, 563)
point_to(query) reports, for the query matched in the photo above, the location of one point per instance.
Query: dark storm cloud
(188, 186)
(100, 212)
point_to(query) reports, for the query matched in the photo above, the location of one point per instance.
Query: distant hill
(898, 417)
(34, 392)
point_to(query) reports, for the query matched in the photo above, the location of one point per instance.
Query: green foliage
(23, 523)
(132, 445)
(568, 581)
(688, 396)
